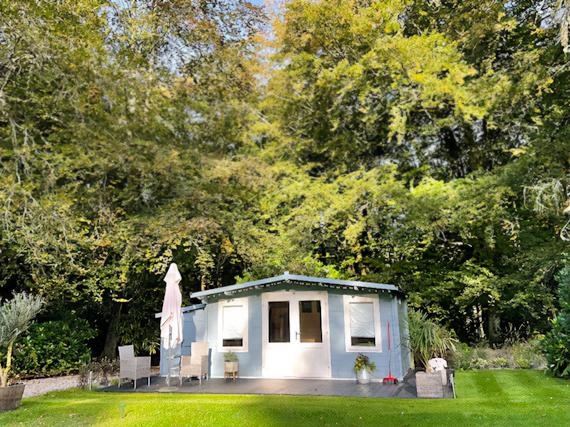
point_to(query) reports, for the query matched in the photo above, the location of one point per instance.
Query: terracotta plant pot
(11, 396)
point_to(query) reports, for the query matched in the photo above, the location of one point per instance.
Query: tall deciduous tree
(104, 143)
(454, 96)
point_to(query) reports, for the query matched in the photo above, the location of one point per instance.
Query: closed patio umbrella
(171, 316)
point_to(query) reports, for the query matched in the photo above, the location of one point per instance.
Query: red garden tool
(389, 379)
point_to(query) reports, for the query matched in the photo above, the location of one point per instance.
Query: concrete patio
(405, 389)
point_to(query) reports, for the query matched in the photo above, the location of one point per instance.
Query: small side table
(231, 370)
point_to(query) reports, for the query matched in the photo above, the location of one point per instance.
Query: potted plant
(363, 367)
(16, 316)
(231, 365)
(427, 339)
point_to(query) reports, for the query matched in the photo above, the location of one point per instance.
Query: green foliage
(363, 362)
(53, 348)
(387, 163)
(407, 82)
(16, 317)
(557, 350)
(98, 371)
(462, 357)
(110, 117)
(556, 343)
(409, 142)
(427, 339)
(518, 355)
(230, 356)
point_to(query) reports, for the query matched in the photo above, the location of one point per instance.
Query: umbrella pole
(169, 358)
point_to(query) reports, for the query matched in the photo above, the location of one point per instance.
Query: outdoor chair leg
(149, 381)
(135, 384)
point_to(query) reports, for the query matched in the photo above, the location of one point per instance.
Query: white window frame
(233, 302)
(347, 300)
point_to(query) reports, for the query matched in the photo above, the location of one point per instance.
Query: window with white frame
(362, 323)
(233, 324)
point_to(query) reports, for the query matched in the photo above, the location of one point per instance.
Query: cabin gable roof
(295, 279)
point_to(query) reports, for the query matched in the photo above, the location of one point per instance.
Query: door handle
(297, 336)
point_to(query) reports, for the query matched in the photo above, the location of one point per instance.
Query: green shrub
(462, 357)
(527, 355)
(53, 348)
(522, 355)
(556, 344)
(100, 371)
(499, 362)
(556, 348)
(522, 363)
(479, 363)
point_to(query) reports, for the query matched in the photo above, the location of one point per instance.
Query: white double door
(296, 338)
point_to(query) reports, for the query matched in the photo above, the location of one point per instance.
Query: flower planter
(363, 367)
(363, 376)
(231, 370)
(11, 396)
(429, 385)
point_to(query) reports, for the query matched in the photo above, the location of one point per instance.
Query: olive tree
(16, 316)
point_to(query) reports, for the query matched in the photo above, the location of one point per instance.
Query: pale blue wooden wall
(202, 324)
(343, 361)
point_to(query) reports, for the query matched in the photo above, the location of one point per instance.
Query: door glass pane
(310, 321)
(279, 321)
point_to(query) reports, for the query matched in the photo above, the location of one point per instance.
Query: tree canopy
(420, 143)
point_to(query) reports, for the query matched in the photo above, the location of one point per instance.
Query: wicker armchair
(195, 365)
(132, 367)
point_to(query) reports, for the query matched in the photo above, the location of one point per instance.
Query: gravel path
(45, 385)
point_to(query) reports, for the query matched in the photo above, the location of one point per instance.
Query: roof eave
(346, 284)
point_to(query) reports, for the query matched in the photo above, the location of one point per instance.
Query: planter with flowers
(231, 365)
(363, 367)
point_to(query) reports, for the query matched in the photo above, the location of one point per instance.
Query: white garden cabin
(294, 326)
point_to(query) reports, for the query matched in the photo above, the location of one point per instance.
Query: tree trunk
(5, 371)
(493, 327)
(478, 315)
(112, 338)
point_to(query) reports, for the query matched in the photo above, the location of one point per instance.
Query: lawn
(485, 398)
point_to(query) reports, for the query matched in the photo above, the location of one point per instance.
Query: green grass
(485, 398)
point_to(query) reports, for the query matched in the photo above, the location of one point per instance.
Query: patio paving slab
(313, 387)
